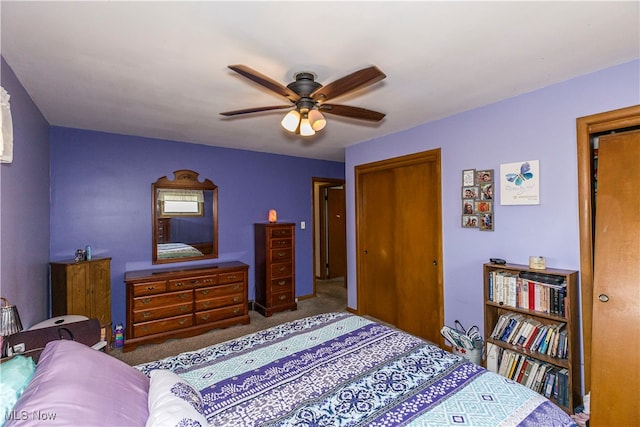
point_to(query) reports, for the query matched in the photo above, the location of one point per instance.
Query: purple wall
(540, 125)
(24, 207)
(101, 195)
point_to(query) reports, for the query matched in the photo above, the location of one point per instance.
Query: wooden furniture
(163, 228)
(82, 288)
(182, 302)
(275, 268)
(494, 307)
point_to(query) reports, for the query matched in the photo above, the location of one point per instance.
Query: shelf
(563, 363)
(531, 313)
(494, 310)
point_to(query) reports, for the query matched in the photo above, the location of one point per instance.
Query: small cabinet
(82, 288)
(275, 267)
(175, 303)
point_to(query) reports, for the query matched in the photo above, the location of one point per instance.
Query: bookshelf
(532, 330)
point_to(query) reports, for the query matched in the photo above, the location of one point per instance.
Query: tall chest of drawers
(182, 302)
(275, 267)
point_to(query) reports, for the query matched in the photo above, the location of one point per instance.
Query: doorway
(329, 230)
(399, 243)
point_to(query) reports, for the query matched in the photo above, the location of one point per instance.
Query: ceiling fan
(308, 98)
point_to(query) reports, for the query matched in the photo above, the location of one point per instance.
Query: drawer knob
(236, 310)
(204, 317)
(183, 296)
(195, 282)
(208, 280)
(150, 288)
(145, 328)
(146, 300)
(146, 314)
(183, 308)
(236, 287)
(183, 321)
(236, 299)
(231, 277)
(204, 292)
(282, 254)
(282, 282)
(206, 304)
(283, 268)
(179, 284)
(281, 297)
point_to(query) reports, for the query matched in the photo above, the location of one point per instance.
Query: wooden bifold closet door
(399, 243)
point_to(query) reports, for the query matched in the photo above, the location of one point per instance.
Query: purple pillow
(76, 385)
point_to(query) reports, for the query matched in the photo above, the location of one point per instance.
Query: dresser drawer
(280, 232)
(281, 270)
(149, 288)
(282, 284)
(280, 255)
(218, 302)
(192, 282)
(218, 291)
(231, 277)
(219, 314)
(164, 325)
(281, 298)
(280, 243)
(155, 301)
(161, 312)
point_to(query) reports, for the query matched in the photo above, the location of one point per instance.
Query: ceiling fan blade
(353, 81)
(255, 110)
(353, 112)
(265, 81)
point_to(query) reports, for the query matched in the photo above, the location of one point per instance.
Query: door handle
(603, 297)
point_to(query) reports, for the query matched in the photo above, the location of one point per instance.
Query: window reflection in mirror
(185, 224)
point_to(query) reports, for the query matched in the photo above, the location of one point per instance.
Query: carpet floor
(331, 295)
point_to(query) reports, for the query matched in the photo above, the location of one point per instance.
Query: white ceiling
(159, 69)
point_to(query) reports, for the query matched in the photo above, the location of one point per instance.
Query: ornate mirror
(185, 218)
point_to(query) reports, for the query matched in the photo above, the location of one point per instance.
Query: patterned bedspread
(340, 369)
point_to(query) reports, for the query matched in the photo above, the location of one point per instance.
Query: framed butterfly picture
(520, 183)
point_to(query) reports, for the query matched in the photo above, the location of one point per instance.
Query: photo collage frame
(477, 199)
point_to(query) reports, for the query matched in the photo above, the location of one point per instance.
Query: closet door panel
(615, 354)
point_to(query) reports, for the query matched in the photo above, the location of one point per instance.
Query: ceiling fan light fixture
(291, 121)
(317, 120)
(305, 127)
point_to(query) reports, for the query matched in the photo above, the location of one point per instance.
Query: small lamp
(273, 215)
(317, 120)
(9, 322)
(305, 126)
(291, 121)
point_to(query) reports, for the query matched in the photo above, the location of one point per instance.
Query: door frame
(318, 223)
(433, 155)
(585, 127)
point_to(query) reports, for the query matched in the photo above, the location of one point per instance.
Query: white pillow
(173, 401)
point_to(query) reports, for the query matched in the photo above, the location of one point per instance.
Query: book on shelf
(493, 357)
(525, 292)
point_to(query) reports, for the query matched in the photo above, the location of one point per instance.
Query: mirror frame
(184, 179)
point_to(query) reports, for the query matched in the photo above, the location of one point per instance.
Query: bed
(177, 250)
(326, 370)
